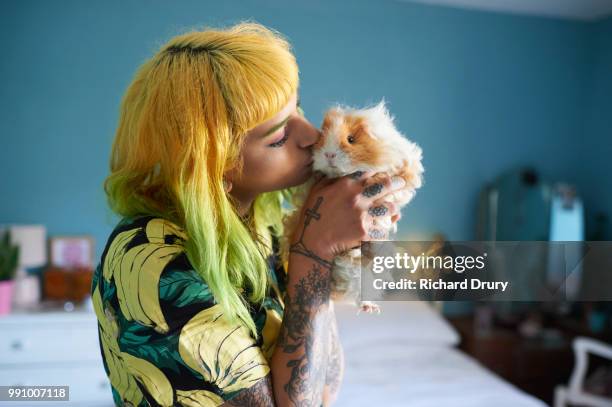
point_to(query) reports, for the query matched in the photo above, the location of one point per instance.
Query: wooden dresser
(54, 347)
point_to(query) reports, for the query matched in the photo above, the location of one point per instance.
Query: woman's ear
(227, 185)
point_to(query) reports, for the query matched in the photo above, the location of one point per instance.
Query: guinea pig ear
(329, 117)
(334, 111)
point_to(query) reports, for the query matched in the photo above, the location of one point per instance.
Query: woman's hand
(340, 213)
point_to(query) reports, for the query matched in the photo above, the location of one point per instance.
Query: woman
(193, 306)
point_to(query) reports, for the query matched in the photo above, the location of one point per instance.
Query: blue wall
(596, 157)
(480, 92)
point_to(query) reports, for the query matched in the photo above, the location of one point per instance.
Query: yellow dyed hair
(182, 123)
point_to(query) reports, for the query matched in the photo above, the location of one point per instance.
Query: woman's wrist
(314, 248)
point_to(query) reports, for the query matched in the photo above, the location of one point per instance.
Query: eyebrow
(282, 123)
(276, 127)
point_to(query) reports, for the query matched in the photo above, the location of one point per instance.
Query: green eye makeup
(281, 124)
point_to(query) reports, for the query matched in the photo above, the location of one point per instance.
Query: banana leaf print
(125, 369)
(198, 398)
(137, 272)
(224, 353)
(163, 337)
(271, 327)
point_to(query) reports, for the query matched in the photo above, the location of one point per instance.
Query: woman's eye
(282, 141)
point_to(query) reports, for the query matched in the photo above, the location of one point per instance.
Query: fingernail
(397, 182)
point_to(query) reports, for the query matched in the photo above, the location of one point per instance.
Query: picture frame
(71, 252)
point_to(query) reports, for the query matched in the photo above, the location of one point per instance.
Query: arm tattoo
(303, 334)
(258, 395)
(299, 246)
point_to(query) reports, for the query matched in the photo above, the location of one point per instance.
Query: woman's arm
(308, 363)
(335, 218)
(300, 372)
(300, 360)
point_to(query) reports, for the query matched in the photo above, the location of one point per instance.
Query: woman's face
(277, 154)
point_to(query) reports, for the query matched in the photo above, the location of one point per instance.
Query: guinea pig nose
(330, 155)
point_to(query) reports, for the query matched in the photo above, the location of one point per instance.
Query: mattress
(386, 366)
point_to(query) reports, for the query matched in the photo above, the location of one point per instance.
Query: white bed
(406, 356)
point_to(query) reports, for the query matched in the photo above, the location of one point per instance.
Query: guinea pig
(354, 140)
(366, 140)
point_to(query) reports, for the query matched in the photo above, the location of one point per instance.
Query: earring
(227, 185)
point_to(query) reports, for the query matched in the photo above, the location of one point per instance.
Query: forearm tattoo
(258, 395)
(304, 334)
(299, 246)
(378, 211)
(372, 190)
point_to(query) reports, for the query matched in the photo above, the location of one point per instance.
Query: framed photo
(71, 252)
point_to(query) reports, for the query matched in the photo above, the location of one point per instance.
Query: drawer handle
(17, 345)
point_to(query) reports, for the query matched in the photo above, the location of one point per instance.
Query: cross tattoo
(299, 246)
(312, 212)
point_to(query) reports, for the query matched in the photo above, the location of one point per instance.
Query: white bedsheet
(390, 370)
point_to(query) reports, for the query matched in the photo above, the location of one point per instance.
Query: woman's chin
(302, 177)
(306, 175)
(308, 172)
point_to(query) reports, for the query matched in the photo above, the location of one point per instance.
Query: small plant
(9, 257)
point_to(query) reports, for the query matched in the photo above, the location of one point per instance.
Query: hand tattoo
(378, 210)
(356, 174)
(372, 190)
(376, 233)
(300, 247)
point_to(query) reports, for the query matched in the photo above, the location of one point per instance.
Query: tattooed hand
(385, 209)
(340, 213)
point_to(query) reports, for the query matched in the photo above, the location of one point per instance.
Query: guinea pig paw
(369, 307)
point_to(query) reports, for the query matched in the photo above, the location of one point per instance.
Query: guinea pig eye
(350, 139)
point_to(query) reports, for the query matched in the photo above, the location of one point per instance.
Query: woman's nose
(310, 135)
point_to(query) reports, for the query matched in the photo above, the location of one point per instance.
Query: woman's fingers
(383, 207)
(401, 197)
(381, 219)
(321, 181)
(381, 184)
(358, 177)
(384, 222)
(377, 233)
